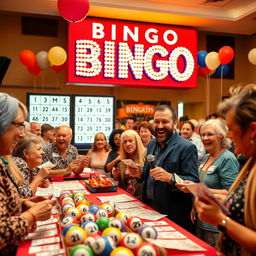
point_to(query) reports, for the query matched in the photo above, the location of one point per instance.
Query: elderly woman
(127, 175)
(238, 230)
(28, 156)
(145, 132)
(14, 224)
(113, 159)
(99, 153)
(218, 169)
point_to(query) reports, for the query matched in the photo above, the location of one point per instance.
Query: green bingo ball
(81, 250)
(103, 223)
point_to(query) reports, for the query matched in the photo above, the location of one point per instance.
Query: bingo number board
(85, 114)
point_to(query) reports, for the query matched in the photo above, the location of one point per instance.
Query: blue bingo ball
(66, 229)
(147, 232)
(90, 227)
(103, 246)
(93, 208)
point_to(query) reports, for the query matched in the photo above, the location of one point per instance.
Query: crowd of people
(145, 159)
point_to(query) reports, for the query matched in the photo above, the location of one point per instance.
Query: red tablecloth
(24, 246)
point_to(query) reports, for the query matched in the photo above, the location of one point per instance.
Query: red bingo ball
(131, 241)
(85, 216)
(134, 223)
(147, 248)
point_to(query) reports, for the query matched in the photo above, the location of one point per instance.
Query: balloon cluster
(211, 62)
(55, 57)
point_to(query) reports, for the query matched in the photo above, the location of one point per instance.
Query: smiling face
(100, 141)
(212, 141)
(186, 131)
(163, 125)
(145, 134)
(10, 138)
(117, 139)
(129, 144)
(241, 139)
(63, 137)
(34, 155)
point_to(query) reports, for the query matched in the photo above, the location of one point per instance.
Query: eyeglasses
(20, 125)
(207, 135)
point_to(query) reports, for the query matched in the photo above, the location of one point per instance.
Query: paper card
(46, 222)
(156, 223)
(43, 248)
(45, 227)
(43, 234)
(165, 228)
(183, 245)
(116, 199)
(177, 178)
(42, 241)
(171, 235)
(200, 190)
(52, 253)
(128, 205)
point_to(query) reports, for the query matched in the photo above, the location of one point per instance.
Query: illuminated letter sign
(115, 52)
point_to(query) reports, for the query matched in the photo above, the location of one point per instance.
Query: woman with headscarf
(238, 229)
(14, 224)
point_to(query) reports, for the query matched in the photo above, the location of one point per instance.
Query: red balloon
(35, 70)
(203, 71)
(27, 58)
(226, 54)
(73, 10)
(58, 68)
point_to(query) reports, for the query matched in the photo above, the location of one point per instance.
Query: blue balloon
(224, 71)
(201, 58)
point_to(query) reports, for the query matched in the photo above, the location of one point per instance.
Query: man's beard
(168, 134)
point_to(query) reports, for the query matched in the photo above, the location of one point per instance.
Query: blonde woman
(99, 153)
(131, 148)
(238, 229)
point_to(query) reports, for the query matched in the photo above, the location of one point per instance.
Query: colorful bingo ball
(112, 204)
(117, 223)
(66, 206)
(79, 193)
(90, 227)
(83, 201)
(147, 232)
(103, 246)
(85, 216)
(121, 251)
(93, 208)
(78, 198)
(67, 200)
(65, 194)
(134, 223)
(101, 213)
(147, 248)
(110, 210)
(114, 233)
(67, 228)
(124, 216)
(74, 212)
(81, 250)
(131, 241)
(68, 220)
(75, 235)
(90, 240)
(83, 207)
(103, 223)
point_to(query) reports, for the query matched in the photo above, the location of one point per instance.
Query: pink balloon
(73, 10)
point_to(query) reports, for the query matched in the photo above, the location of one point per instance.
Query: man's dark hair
(163, 108)
(184, 118)
(190, 123)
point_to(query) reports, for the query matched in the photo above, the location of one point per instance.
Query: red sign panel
(103, 51)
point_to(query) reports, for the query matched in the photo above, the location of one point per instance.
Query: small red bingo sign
(116, 52)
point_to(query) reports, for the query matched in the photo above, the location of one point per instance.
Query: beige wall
(18, 81)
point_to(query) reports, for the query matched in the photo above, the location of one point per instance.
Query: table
(24, 246)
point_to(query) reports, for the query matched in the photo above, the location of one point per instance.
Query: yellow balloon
(57, 56)
(252, 56)
(212, 60)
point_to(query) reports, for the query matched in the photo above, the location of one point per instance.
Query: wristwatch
(222, 225)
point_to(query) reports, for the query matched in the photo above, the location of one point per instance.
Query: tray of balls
(101, 230)
(100, 184)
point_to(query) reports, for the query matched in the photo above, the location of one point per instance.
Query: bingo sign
(115, 52)
(50, 109)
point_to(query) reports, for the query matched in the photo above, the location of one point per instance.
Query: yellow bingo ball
(124, 216)
(114, 233)
(74, 212)
(83, 207)
(109, 209)
(75, 235)
(121, 251)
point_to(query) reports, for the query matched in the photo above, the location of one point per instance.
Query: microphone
(150, 159)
